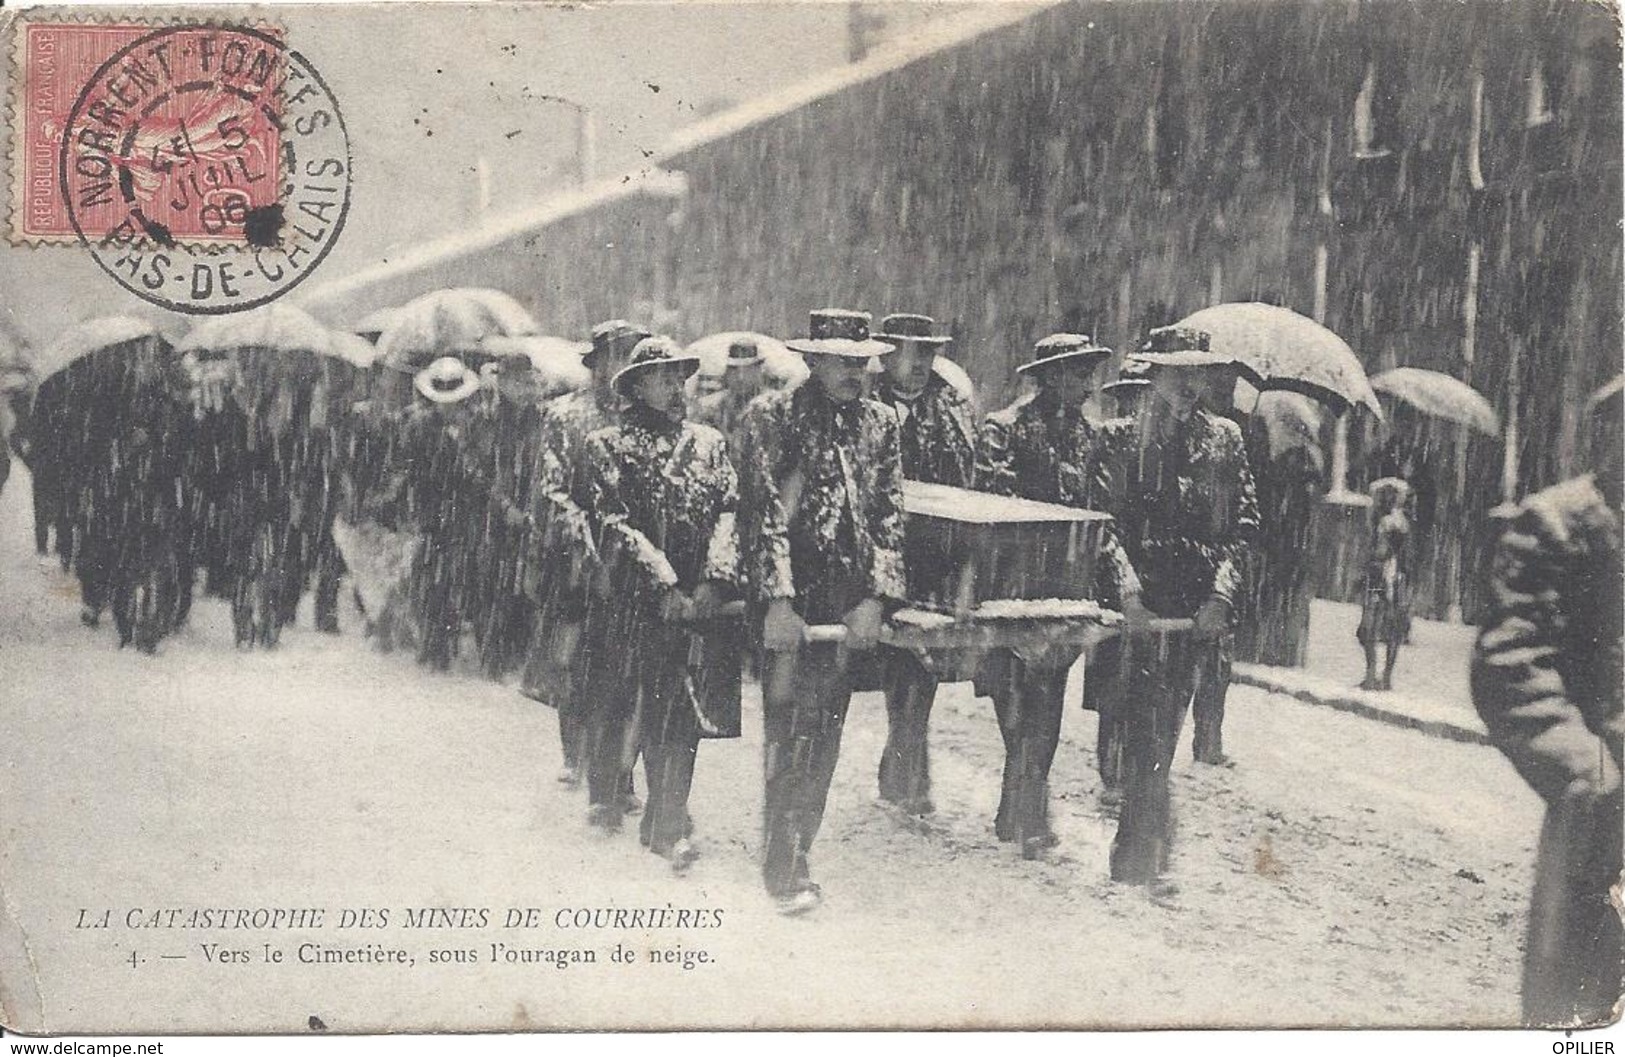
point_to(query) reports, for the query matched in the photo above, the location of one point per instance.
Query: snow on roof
(654, 180)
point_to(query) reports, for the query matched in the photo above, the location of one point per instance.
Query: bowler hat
(653, 352)
(910, 326)
(839, 332)
(1063, 348)
(615, 335)
(446, 381)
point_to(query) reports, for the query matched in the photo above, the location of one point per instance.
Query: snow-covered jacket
(1546, 678)
(936, 430)
(559, 486)
(821, 498)
(1185, 507)
(1546, 673)
(662, 497)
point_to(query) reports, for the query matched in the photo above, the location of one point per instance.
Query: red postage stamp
(182, 133)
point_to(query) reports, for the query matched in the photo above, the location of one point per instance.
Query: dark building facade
(1438, 182)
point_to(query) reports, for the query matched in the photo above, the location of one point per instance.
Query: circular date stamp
(207, 168)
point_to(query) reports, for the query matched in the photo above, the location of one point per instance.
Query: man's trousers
(1160, 673)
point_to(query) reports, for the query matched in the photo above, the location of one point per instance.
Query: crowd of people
(633, 544)
(628, 550)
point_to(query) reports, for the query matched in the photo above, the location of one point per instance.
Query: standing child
(1385, 597)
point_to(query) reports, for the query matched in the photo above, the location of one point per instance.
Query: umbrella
(1291, 421)
(354, 349)
(374, 323)
(955, 376)
(91, 336)
(448, 322)
(557, 361)
(1440, 395)
(1287, 351)
(782, 367)
(278, 327)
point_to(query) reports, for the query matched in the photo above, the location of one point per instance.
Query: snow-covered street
(1345, 872)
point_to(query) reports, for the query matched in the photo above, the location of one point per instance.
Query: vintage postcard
(814, 515)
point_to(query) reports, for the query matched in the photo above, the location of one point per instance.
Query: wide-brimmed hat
(615, 335)
(446, 381)
(1064, 348)
(1127, 385)
(650, 353)
(743, 353)
(839, 332)
(910, 326)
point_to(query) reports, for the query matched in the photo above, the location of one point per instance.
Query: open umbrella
(277, 326)
(1440, 395)
(449, 322)
(251, 356)
(1287, 351)
(1290, 421)
(354, 349)
(91, 336)
(557, 361)
(781, 367)
(374, 323)
(955, 376)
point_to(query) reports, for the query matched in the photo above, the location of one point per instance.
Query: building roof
(655, 179)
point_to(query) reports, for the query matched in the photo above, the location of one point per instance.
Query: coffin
(964, 548)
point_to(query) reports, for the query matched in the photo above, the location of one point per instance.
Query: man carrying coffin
(937, 430)
(1044, 447)
(1176, 481)
(821, 529)
(663, 498)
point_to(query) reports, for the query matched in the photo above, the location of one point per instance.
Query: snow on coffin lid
(965, 548)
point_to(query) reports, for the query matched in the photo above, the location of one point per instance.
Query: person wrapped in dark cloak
(565, 554)
(663, 502)
(1547, 681)
(442, 491)
(821, 531)
(151, 571)
(506, 618)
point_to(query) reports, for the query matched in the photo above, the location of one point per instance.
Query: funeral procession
(1124, 497)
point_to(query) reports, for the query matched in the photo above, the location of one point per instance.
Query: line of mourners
(628, 539)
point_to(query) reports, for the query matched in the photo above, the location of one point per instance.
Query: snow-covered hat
(653, 352)
(1177, 346)
(839, 332)
(910, 326)
(1061, 348)
(614, 335)
(446, 381)
(1127, 385)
